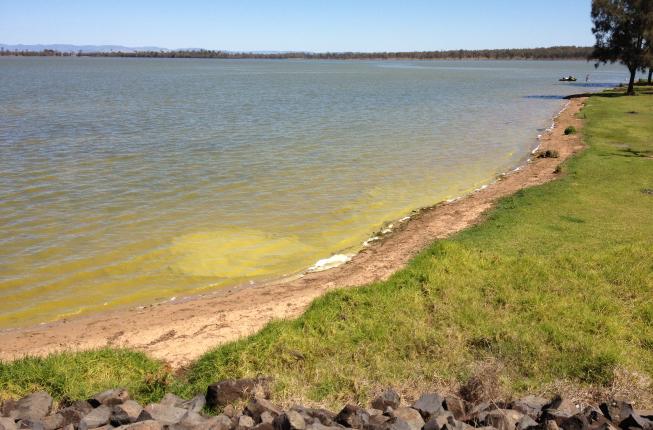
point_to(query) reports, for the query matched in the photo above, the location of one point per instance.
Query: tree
(621, 28)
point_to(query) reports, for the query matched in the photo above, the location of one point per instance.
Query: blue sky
(332, 25)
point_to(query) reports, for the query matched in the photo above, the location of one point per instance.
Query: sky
(294, 25)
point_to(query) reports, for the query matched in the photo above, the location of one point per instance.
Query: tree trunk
(650, 74)
(631, 83)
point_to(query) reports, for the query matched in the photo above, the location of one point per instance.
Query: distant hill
(77, 48)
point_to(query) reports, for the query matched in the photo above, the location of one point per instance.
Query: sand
(179, 331)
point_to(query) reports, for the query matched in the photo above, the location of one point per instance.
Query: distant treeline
(44, 53)
(552, 53)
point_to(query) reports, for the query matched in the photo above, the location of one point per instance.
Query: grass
(570, 130)
(553, 289)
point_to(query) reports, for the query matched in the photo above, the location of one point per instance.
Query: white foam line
(329, 263)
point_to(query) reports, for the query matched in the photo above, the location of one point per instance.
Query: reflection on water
(133, 180)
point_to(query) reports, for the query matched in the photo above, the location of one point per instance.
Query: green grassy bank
(556, 285)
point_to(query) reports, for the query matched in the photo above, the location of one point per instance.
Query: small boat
(568, 79)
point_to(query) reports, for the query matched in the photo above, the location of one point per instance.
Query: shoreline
(196, 324)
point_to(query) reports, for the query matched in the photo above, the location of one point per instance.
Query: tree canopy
(623, 30)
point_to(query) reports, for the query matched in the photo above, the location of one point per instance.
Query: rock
(125, 413)
(166, 415)
(32, 407)
(195, 421)
(7, 424)
(477, 414)
(456, 425)
(267, 417)
(222, 422)
(258, 405)
(616, 410)
(6, 407)
(559, 410)
(144, 425)
(503, 419)
(196, 404)
(531, 406)
(562, 405)
(111, 397)
(645, 413)
(439, 421)
(526, 422)
(264, 426)
(245, 422)
(229, 391)
(74, 413)
(429, 405)
(389, 398)
(311, 415)
(353, 416)
(291, 420)
(171, 400)
(378, 420)
(229, 411)
(550, 425)
(412, 417)
(319, 426)
(455, 405)
(576, 422)
(635, 421)
(29, 424)
(52, 422)
(98, 417)
(397, 423)
(372, 412)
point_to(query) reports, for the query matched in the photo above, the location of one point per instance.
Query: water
(127, 181)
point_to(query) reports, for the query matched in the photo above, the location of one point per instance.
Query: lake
(131, 181)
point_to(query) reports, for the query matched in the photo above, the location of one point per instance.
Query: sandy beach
(179, 331)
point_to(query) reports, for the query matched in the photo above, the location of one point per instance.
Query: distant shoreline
(551, 53)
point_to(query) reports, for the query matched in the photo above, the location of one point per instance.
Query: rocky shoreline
(243, 404)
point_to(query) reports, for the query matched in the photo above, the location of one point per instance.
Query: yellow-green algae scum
(130, 182)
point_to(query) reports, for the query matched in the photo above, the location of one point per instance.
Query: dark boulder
(291, 420)
(229, 391)
(616, 410)
(74, 413)
(32, 407)
(166, 415)
(53, 422)
(526, 422)
(353, 416)
(531, 406)
(144, 425)
(635, 421)
(389, 398)
(125, 413)
(503, 419)
(439, 421)
(245, 422)
(575, 422)
(397, 423)
(112, 397)
(98, 417)
(412, 417)
(429, 405)
(7, 423)
(258, 406)
(565, 406)
(455, 405)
